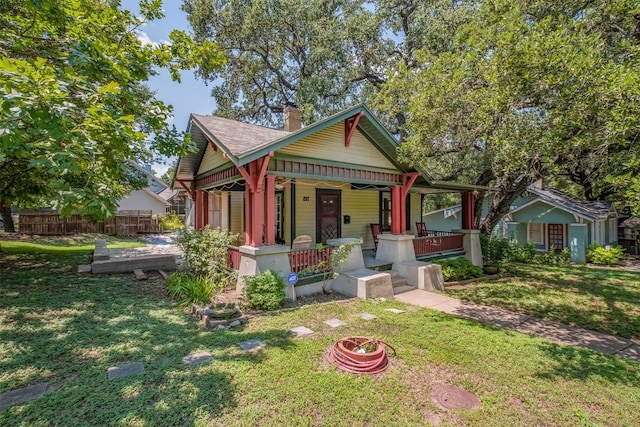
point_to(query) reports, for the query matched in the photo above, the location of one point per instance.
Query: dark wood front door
(556, 236)
(328, 212)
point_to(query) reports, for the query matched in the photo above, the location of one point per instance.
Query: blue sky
(189, 96)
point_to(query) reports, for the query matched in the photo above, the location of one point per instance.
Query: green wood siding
(211, 160)
(329, 145)
(541, 212)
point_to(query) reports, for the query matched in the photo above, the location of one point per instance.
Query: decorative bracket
(408, 179)
(255, 180)
(189, 190)
(350, 125)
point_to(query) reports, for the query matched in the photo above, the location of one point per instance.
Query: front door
(556, 236)
(328, 212)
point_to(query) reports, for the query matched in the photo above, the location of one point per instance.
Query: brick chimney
(292, 118)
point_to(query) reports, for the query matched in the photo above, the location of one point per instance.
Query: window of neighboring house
(535, 233)
(613, 230)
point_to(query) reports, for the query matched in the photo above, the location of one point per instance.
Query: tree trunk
(508, 191)
(9, 227)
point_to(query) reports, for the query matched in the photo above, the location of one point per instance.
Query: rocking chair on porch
(421, 229)
(375, 231)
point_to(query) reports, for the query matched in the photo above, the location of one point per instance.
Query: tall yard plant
(205, 255)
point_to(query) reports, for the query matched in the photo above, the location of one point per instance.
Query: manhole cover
(449, 396)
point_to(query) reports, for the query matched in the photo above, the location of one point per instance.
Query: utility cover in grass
(395, 310)
(334, 323)
(367, 316)
(301, 331)
(125, 370)
(254, 344)
(197, 358)
(22, 395)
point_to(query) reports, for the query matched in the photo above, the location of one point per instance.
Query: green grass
(68, 329)
(62, 245)
(601, 299)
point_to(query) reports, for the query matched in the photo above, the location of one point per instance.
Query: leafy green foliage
(187, 288)
(458, 269)
(265, 291)
(205, 252)
(521, 253)
(329, 268)
(553, 257)
(494, 249)
(171, 221)
(602, 255)
(74, 108)
(525, 90)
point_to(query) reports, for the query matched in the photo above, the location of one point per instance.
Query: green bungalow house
(332, 181)
(548, 218)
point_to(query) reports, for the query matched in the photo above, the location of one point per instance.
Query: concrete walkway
(557, 332)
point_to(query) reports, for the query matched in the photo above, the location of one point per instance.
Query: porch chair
(375, 231)
(302, 241)
(421, 229)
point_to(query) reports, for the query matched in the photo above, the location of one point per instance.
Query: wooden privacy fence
(124, 223)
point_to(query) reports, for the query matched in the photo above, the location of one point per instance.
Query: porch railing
(233, 258)
(301, 259)
(437, 241)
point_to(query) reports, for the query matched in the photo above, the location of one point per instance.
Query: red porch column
(254, 175)
(468, 215)
(248, 226)
(205, 209)
(198, 209)
(396, 209)
(270, 208)
(257, 205)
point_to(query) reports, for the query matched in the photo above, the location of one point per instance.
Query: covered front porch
(291, 197)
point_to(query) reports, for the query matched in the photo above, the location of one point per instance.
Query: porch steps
(399, 283)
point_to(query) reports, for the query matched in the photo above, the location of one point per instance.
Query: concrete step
(394, 274)
(398, 281)
(401, 289)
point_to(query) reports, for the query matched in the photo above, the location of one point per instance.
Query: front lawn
(601, 299)
(61, 245)
(67, 329)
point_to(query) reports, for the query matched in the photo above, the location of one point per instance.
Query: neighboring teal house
(547, 218)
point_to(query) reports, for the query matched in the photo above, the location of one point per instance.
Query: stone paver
(301, 331)
(413, 308)
(395, 310)
(22, 395)
(481, 313)
(570, 335)
(423, 298)
(84, 268)
(253, 344)
(125, 370)
(632, 352)
(197, 358)
(367, 316)
(334, 323)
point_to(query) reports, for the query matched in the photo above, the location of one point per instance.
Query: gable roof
(243, 143)
(592, 210)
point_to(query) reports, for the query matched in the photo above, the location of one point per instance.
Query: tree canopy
(498, 93)
(531, 90)
(74, 107)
